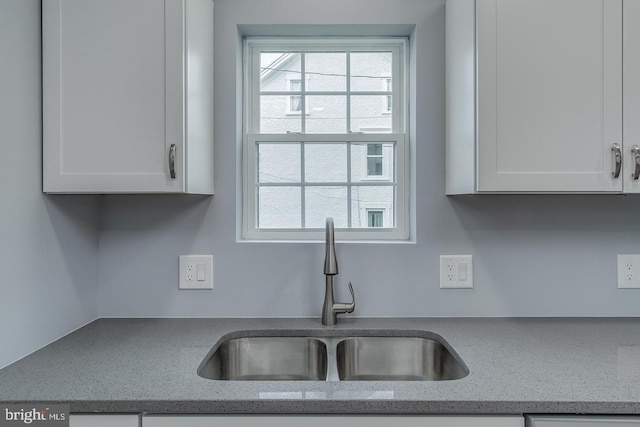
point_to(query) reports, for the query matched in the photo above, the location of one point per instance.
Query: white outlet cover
(450, 271)
(189, 270)
(628, 271)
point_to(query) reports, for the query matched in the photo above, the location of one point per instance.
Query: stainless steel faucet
(330, 308)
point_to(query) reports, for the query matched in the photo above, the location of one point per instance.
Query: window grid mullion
(303, 187)
(348, 92)
(255, 92)
(303, 128)
(303, 95)
(349, 187)
(349, 184)
(256, 183)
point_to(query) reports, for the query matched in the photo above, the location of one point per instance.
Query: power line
(317, 73)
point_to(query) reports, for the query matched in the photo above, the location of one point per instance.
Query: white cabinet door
(582, 421)
(534, 95)
(104, 420)
(123, 83)
(323, 421)
(631, 97)
(549, 94)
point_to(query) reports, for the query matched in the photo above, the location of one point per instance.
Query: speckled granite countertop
(516, 366)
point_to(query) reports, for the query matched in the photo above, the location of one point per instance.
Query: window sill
(338, 241)
(355, 235)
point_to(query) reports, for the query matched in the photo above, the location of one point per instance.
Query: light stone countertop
(541, 365)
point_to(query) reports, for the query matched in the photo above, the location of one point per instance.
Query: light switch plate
(456, 271)
(628, 271)
(196, 272)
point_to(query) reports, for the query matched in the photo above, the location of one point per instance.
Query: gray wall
(533, 255)
(48, 244)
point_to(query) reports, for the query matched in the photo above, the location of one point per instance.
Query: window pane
(369, 114)
(375, 218)
(370, 71)
(326, 71)
(374, 166)
(325, 162)
(279, 207)
(295, 85)
(276, 67)
(366, 199)
(295, 103)
(322, 202)
(278, 162)
(374, 149)
(274, 117)
(327, 114)
(365, 167)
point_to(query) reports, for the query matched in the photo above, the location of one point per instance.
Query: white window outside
(325, 149)
(375, 218)
(295, 101)
(294, 104)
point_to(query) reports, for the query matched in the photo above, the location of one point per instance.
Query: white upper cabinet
(534, 96)
(631, 96)
(128, 96)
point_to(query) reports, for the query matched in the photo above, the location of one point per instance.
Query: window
(375, 218)
(295, 101)
(374, 159)
(311, 152)
(294, 84)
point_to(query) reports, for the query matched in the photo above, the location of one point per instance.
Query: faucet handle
(342, 307)
(353, 298)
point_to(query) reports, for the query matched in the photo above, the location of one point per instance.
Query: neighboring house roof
(280, 64)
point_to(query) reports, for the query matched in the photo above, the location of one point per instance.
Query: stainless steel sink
(396, 359)
(267, 359)
(343, 355)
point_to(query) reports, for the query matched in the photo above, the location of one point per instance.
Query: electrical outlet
(628, 271)
(196, 272)
(190, 275)
(456, 271)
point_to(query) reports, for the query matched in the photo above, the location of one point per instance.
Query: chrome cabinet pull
(635, 151)
(172, 161)
(617, 159)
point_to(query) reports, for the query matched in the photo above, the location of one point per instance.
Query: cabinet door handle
(635, 151)
(617, 160)
(172, 161)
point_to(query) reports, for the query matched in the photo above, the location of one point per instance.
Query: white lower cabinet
(582, 421)
(328, 420)
(104, 420)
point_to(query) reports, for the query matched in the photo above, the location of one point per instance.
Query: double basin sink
(342, 356)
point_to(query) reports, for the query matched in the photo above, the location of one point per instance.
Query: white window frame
(399, 136)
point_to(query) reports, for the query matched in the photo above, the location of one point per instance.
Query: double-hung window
(317, 144)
